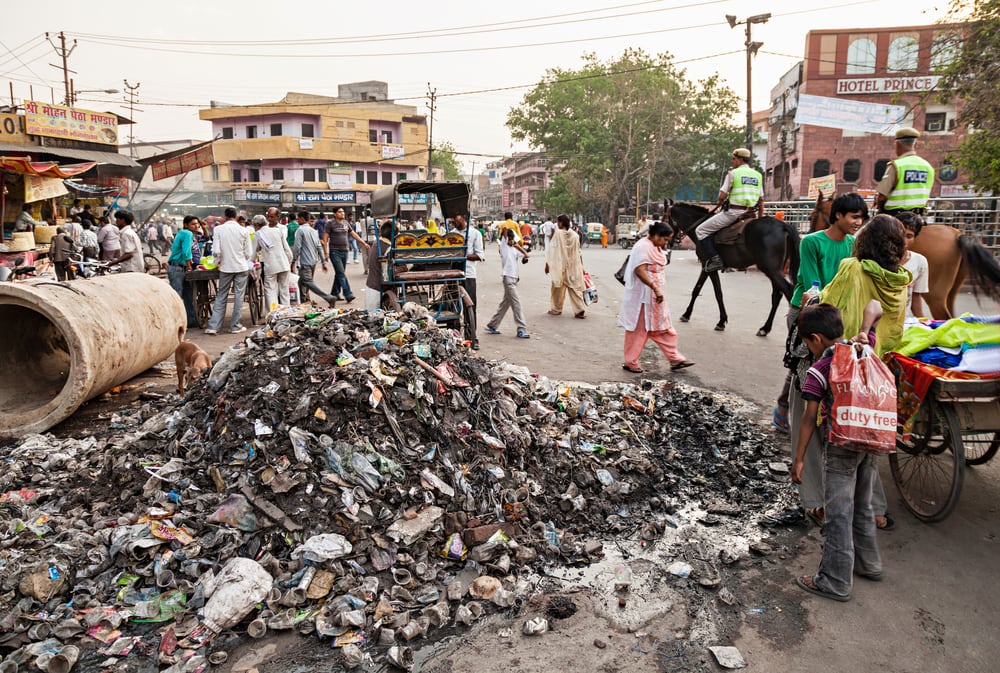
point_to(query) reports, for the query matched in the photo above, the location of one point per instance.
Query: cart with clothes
(420, 266)
(948, 398)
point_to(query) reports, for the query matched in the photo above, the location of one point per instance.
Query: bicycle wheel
(980, 447)
(929, 468)
(153, 265)
(255, 299)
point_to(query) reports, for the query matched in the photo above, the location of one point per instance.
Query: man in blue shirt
(181, 261)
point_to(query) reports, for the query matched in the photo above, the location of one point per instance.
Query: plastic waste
(235, 511)
(232, 594)
(321, 548)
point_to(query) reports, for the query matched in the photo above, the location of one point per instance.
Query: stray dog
(191, 363)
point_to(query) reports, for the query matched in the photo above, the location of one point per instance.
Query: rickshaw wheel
(929, 469)
(255, 298)
(204, 297)
(981, 447)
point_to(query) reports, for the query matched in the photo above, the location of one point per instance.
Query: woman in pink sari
(644, 313)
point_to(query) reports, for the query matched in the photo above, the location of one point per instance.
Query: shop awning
(45, 169)
(112, 158)
(93, 190)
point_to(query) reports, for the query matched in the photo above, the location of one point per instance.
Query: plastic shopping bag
(589, 292)
(863, 415)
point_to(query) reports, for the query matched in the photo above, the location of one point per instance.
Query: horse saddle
(731, 235)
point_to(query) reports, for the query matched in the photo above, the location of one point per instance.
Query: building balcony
(294, 147)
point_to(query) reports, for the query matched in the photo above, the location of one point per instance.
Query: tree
(610, 126)
(443, 157)
(973, 76)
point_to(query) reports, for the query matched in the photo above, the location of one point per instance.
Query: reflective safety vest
(748, 187)
(914, 179)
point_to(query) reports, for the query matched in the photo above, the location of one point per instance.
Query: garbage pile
(358, 476)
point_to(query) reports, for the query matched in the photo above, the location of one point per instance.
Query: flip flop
(780, 420)
(636, 370)
(684, 364)
(813, 515)
(555, 312)
(889, 524)
(581, 315)
(806, 584)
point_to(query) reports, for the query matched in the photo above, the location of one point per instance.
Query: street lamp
(74, 91)
(752, 48)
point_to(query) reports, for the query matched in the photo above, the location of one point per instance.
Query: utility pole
(432, 94)
(132, 91)
(63, 53)
(752, 48)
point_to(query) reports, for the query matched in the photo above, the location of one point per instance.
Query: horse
(951, 257)
(766, 242)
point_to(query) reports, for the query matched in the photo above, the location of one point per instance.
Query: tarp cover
(45, 169)
(453, 197)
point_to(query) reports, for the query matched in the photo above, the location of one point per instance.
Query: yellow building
(314, 152)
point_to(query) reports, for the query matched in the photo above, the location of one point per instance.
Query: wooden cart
(205, 284)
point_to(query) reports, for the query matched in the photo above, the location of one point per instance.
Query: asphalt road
(939, 604)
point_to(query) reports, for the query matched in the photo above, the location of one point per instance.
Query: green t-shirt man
(819, 259)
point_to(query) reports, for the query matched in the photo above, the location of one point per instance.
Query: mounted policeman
(740, 197)
(908, 178)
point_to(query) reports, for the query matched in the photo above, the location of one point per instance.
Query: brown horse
(951, 257)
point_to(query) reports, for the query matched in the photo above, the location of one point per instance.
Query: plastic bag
(590, 292)
(620, 273)
(863, 416)
(233, 593)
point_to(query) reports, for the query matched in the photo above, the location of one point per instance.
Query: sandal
(887, 523)
(581, 315)
(780, 420)
(551, 312)
(634, 370)
(806, 584)
(683, 364)
(817, 515)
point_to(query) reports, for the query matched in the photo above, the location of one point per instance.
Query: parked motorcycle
(17, 272)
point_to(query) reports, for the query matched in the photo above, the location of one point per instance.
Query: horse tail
(982, 266)
(792, 250)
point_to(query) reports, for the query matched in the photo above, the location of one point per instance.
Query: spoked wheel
(154, 267)
(928, 467)
(204, 297)
(980, 447)
(255, 298)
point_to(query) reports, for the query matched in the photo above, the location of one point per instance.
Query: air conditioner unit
(935, 125)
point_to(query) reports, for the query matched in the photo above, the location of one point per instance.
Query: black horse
(766, 242)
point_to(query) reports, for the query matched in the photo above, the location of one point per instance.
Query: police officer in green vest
(741, 193)
(908, 178)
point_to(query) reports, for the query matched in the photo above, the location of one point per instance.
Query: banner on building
(393, 152)
(851, 115)
(506, 198)
(37, 188)
(60, 121)
(184, 163)
(873, 85)
(826, 184)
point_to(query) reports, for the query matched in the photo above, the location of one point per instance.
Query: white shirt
(231, 247)
(131, 243)
(916, 265)
(548, 228)
(272, 244)
(474, 246)
(511, 258)
(109, 237)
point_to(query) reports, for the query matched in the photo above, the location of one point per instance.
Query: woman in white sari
(644, 313)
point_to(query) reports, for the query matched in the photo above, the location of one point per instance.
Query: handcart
(957, 425)
(205, 285)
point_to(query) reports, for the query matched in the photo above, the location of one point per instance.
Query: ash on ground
(362, 478)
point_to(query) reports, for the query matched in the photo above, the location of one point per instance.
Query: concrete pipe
(62, 344)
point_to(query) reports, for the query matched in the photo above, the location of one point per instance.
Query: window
(386, 177)
(902, 54)
(821, 168)
(852, 170)
(227, 132)
(387, 137)
(372, 178)
(350, 125)
(251, 132)
(400, 177)
(372, 136)
(935, 121)
(861, 56)
(880, 167)
(308, 175)
(253, 175)
(339, 124)
(321, 175)
(943, 51)
(237, 175)
(307, 130)
(277, 173)
(215, 171)
(359, 177)
(275, 130)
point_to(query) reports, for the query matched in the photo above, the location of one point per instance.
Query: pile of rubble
(355, 475)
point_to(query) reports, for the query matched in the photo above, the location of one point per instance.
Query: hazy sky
(188, 52)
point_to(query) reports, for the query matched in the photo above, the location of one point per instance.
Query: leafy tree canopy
(443, 157)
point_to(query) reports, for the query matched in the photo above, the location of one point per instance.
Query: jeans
(306, 284)
(849, 529)
(175, 275)
(510, 300)
(469, 311)
(354, 248)
(339, 259)
(237, 281)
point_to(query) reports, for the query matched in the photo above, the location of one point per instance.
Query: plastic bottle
(811, 293)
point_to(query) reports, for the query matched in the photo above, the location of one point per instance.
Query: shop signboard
(256, 196)
(12, 129)
(414, 199)
(826, 184)
(852, 115)
(184, 163)
(875, 85)
(325, 197)
(393, 152)
(60, 121)
(37, 188)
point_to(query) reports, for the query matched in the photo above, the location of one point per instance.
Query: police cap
(907, 132)
(741, 152)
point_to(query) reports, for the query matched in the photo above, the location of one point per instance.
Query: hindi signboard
(256, 196)
(826, 184)
(60, 121)
(325, 197)
(852, 115)
(183, 163)
(393, 152)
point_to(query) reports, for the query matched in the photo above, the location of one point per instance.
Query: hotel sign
(875, 85)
